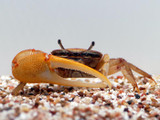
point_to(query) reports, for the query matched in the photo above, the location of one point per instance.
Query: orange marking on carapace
(33, 50)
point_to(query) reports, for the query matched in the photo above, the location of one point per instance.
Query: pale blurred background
(121, 28)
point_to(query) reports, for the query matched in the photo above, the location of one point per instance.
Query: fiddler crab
(35, 66)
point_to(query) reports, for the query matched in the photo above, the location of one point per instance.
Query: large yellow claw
(35, 66)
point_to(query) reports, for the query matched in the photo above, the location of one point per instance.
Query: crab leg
(114, 69)
(103, 65)
(136, 69)
(129, 75)
(18, 88)
(120, 64)
(116, 64)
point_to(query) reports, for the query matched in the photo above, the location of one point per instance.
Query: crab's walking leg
(103, 65)
(129, 75)
(138, 70)
(116, 65)
(18, 88)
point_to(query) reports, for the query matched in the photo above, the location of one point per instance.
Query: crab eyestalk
(34, 66)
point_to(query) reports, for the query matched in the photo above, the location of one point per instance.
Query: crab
(36, 66)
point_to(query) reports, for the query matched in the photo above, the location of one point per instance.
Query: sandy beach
(53, 102)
